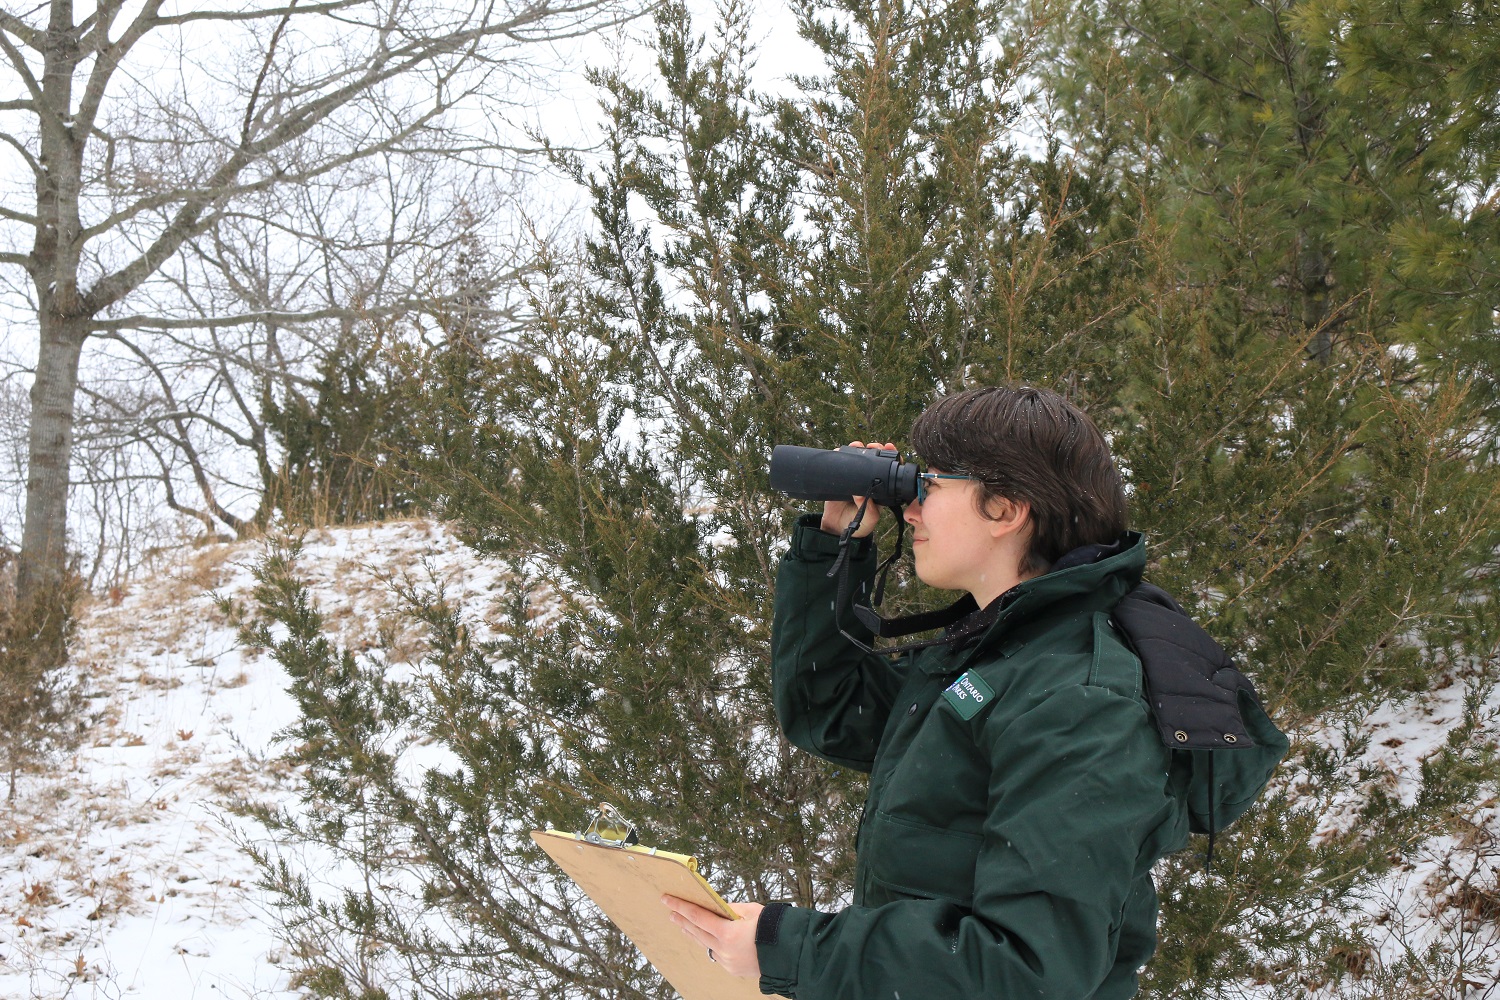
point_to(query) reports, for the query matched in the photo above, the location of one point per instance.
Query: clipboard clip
(610, 828)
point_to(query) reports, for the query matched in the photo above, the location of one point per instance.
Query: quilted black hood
(1203, 706)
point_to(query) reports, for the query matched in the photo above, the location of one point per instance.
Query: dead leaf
(38, 894)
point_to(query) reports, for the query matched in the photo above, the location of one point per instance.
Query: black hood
(1193, 684)
(1203, 706)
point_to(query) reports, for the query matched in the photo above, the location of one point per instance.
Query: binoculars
(843, 473)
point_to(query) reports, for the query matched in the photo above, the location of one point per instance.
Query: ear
(1008, 517)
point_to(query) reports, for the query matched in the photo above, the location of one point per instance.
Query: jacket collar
(1089, 578)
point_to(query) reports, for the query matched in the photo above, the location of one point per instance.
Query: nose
(913, 513)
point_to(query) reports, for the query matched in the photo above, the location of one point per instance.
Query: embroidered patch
(968, 695)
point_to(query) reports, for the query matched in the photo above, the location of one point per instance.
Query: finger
(697, 934)
(697, 923)
(868, 522)
(699, 915)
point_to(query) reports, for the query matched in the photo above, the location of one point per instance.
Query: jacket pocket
(908, 858)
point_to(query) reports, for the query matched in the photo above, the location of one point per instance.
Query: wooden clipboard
(627, 883)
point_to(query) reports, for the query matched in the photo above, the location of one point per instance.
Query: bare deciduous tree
(163, 133)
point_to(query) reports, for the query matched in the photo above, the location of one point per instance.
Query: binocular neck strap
(890, 628)
(841, 564)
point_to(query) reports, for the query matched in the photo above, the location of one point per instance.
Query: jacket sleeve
(832, 698)
(1078, 808)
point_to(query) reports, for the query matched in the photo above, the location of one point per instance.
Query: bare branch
(174, 169)
(272, 316)
(171, 496)
(260, 78)
(30, 37)
(176, 414)
(31, 161)
(88, 26)
(181, 416)
(177, 418)
(109, 56)
(257, 15)
(225, 191)
(190, 220)
(257, 440)
(18, 63)
(281, 369)
(380, 67)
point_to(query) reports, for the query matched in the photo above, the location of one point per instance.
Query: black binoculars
(843, 473)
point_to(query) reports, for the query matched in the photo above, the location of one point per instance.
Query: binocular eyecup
(843, 473)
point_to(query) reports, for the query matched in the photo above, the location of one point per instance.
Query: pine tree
(1209, 251)
(41, 697)
(342, 441)
(1305, 406)
(760, 273)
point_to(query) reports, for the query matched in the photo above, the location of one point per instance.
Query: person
(1020, 788)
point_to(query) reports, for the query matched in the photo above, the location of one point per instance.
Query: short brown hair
(1028, 444)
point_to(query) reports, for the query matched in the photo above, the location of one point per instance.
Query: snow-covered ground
(119, 871)
(1434, 919)
(120, 875)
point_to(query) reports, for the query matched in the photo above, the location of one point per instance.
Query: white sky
(561, 105)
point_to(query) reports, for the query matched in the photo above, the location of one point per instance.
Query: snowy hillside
(120, 875)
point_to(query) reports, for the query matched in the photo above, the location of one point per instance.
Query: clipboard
(627, 882)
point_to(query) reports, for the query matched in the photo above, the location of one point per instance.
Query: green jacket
(1019, 794)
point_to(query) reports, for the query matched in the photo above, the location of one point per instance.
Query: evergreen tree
(342, 441)
(1214, 252)
(760, 273)
(41, 696)
(1305, 405)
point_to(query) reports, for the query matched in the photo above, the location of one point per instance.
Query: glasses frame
(922, 478)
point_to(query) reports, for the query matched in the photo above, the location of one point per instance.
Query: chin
(933, 579)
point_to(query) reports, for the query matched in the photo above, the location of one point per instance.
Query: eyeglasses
(922, 478)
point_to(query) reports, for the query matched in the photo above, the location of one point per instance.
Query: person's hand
(731, 941)
(838, 513)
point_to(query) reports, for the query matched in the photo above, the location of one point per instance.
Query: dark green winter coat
(1019, 793)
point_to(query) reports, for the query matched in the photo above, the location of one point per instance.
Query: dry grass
(204, 571)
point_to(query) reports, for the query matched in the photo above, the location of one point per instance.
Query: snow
(120, 875)
(1442, 904)
(122, 872)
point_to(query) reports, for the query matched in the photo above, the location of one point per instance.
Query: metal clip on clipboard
(610, 828)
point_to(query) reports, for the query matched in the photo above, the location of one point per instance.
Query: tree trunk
(43, 561)
(1312, 277)
(64, 323)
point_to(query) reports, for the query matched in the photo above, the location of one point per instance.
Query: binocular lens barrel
(820, 474)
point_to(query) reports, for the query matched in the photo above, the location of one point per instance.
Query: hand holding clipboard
(627, 882)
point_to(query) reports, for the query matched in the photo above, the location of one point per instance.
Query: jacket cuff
(779, 935)
(811, 543)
